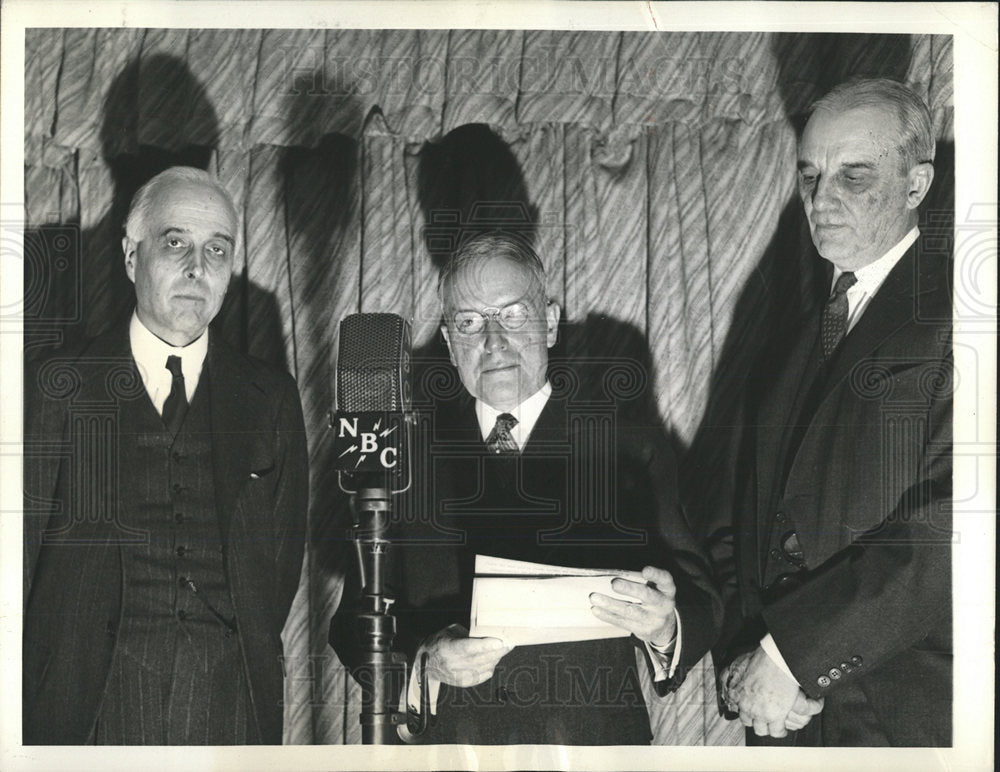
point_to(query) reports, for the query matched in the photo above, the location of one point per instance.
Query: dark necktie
(176, 404)
(834, 323)
(500, 440)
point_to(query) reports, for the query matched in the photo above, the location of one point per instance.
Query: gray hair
(507, 244)
(916, 143)
(143, 199)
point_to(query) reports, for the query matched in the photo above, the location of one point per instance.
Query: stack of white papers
(528, 603)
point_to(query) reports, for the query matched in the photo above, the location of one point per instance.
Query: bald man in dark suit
(844, 540)
(157, 589)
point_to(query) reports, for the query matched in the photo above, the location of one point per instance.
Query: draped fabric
(654, 172)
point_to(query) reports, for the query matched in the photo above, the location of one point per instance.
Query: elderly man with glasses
(508, 486)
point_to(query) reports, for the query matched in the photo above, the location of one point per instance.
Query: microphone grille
(373, 366)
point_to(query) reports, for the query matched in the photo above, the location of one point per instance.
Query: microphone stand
(380, 671)
(381, 668)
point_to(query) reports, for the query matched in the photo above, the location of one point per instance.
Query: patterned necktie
(500, 440)
(176, 404)
(834, 323)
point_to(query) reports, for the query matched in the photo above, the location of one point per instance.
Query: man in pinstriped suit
(158, 585)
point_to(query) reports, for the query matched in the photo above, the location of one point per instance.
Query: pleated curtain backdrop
(654, 172)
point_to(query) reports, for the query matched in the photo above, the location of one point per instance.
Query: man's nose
(495, 336)
(824, 194)
(195, 265)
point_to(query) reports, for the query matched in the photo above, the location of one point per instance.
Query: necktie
(500, 441)
(834, 322)
(176, 404)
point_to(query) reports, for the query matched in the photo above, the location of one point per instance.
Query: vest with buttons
(170, 493)
(177, 618)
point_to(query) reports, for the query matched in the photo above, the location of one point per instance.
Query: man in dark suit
(524, 469)
(175, 473)
(844, 543)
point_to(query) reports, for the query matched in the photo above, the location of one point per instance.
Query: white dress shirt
(526, 414)
(150, 354)
(869, 280)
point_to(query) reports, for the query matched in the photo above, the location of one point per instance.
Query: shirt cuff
(771, 649)
(659, 655)
(413, 689)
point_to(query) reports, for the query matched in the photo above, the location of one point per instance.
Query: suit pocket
(259, 473)
(252, 527)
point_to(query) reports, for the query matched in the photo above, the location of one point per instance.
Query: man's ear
(552, 312)
(129, 247)
(447, 342)
(918, 182)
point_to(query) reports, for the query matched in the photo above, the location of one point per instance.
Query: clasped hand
(765, 697)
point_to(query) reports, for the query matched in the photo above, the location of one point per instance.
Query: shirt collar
(150, 354)
(870, 277)
(526, 413)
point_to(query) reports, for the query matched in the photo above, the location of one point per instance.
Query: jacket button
(180, 551)
(177, 457)
(835, 674)
(847, 667)
(792, 549)
(177, 487)
(780, 517)
(823, 681)
(502, 695)
(857, 661)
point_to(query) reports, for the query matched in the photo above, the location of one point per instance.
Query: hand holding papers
(528, 603)
(652, 617)
(455, 658)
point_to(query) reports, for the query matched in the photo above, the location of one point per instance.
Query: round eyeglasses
(510, 317)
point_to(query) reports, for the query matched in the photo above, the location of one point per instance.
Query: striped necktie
(500, 440)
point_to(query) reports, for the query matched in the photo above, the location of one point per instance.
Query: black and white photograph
(555, 385)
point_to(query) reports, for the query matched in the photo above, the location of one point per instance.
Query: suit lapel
(780, 414)
(109, 380)
(891, 308)
(108, 369)
(782, 406)
(550, 427)
(238, 404)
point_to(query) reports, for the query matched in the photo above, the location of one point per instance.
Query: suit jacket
(857, 461)
(528, 508)
(73, 575)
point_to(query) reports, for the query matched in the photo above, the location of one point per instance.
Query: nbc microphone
(371, 451)
(371, 440)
